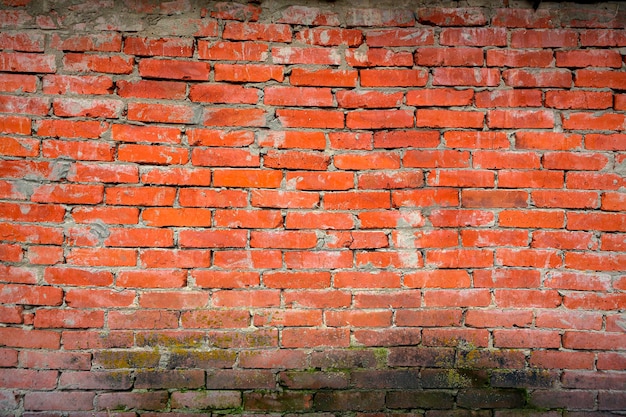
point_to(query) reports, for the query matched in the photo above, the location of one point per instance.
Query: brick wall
(312, 207)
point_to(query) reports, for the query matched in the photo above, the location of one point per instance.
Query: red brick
(177, 176)
(378, 57)
(393, 78)
(521, 338)
(562, 360)
(588, 58)
(356, 200)
(437, 279)
(24, 105)
(595, 262)
(141, 196)
(33, 295)
(154, 155)
(428, 318)
(444, 97)
(172, 90)
(68, 319)
(476, 140)
(458, 218)
(457, 298)
(544, 38)
(297, 279)
(565, 199)
(249, 31)
(283, 239)
(330, 36)
(23, 147)
(486, 238)
(31, 234)
(17, 83)
(600, 79)
(449, 118)
(172, 258)
(530, 179)
(516, 119)
(538, 258)
(29, 339)
(224, 157)
(298, 96)
(68, 194)
(70, 128)
(579, 99)
(356, 318)
(613, 201)
(318, 298)
(390, 180)
(379, 17)
(78, 150)
(614, 142)
(309, 16)
(232, 51)
(247, 218)
(66, 401)
(31, 212)
(256, 299)
(592, 121)
(519, 58)
(312, 337)
(248, 72)
(23, 42)
(544, 78)
(223, 93)
(309, 56)
(323, 77)
(257, 259)
(20, 125)
(162, 113)
(444, 197)
(174, 69)
(473, 37)
(293, 139)
(574, 161)
(448, 16)
(27, 62)
(234, 117)
(368, 99)
(11, 253)
(77, 276)
(436, 159)
(209, 319)
(100, 108)
(525, 18)
(212, 238)
(611, 361)
(466, 76)
(173, 47)
(244, 178)
(400, 37)
(318, 259)
(102, 42)
(460, 258)
(596, 341)
(602, 37)
(143, 319)
(153, 400)
(594, 180)
(547, 140)
(236, 11)
(112, 64)
(212, 137)
(190, 217)
(379, 119)
(509, 98)
(498, 318)
(226, 279)
(102, 257)
(310, 118)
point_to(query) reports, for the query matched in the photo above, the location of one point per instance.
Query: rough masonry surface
(312, 208)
